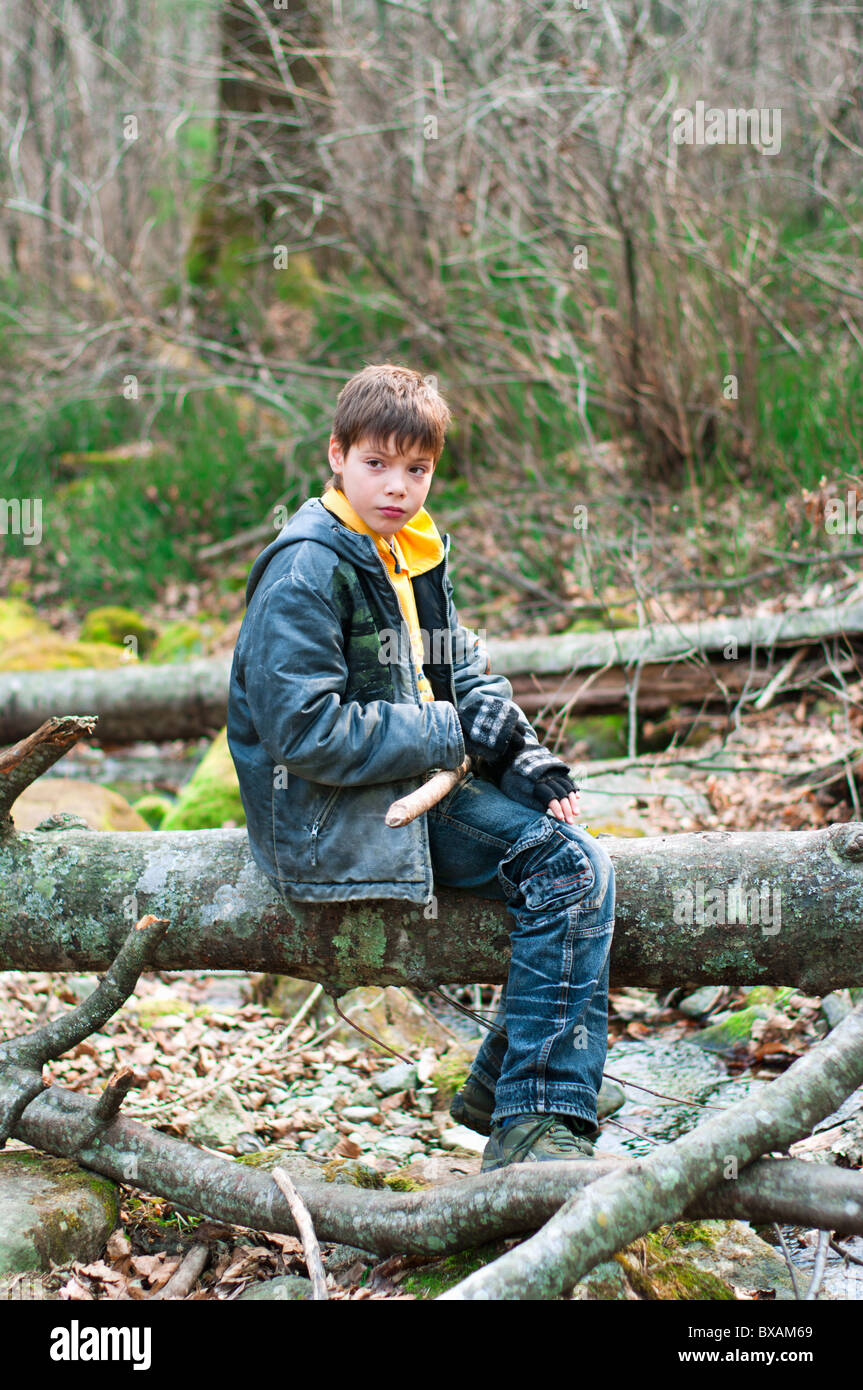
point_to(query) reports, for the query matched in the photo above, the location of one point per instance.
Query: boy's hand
(538, 778)
(567, 809)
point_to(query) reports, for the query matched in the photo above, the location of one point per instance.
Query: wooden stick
(405, 810)
(186, 1275)
(311, 1249)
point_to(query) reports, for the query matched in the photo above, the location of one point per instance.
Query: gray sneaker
(473, 1104)
(534, 1139)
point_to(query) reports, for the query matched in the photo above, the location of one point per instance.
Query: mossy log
(68, 898)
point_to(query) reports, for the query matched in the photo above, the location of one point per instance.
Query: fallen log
(720, 907)
(452, 1217)
(189, 699)
(67, 899)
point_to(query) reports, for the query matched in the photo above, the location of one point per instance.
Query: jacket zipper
(319, 823)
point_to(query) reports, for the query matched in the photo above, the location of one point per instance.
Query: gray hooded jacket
(326, 726)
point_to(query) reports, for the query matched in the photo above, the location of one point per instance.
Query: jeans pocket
(554, 874)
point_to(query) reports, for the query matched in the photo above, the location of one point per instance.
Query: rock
(460, 1137)
(611, 1097)
(211, 799)
(700, 1261)
(248, 1143)
(220, 1122)
(51, 1212)
(163, 1010)
(731, 1032)
(82, 986)
(398, 1146)
(739, 1257)
(298, 1168)
(440, 1168)
(286, 1288)
(607, 1283)
(354, 1114)
(401, 1077)
(699, 1003)
(100, 807)
(451, 1073)
(345, 1257)
(835, 1006)
(283, 995)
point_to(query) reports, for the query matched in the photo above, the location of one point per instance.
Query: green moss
(357, 1173)
(114, 625)
(450, 1074)
(734, 1031)
(656, 1276)
(435, 1279)
(177, 641)
(604, 734)
(151, 1009)
(362, 941)
(398, 1182)
(153, 808)
(687, 1232)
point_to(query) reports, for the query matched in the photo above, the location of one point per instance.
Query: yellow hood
(417, 544)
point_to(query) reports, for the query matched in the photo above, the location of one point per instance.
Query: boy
(352, 678)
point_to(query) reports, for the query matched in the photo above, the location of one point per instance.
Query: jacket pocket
(320, 821)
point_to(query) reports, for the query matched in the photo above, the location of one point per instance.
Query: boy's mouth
(392, 511)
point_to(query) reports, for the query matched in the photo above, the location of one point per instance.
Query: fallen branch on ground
(622, 1206)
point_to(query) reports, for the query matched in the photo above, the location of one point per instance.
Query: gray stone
(611, 1097)
(220, 1121)
(605, 1283)
(398, 1146)
(835, 1006)
(460, 1137)
(743, 1259)
(700, 1002)
(343, 1257)
(287, 1287)
(355, 1114)
(401, 1077)
(731, 1032)
(51, 1212)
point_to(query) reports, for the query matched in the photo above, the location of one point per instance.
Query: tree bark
(191, 698)
(69, 897)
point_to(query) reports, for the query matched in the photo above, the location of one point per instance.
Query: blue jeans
(558, 883)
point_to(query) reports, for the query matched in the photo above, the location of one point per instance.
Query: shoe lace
(560, 1137)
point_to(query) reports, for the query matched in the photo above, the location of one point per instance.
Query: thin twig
(820, 1265)
(788, 1261)
(311, 1248)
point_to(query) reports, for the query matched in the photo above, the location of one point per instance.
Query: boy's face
(386, 489)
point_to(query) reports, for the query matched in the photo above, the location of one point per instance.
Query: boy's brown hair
(387, 399)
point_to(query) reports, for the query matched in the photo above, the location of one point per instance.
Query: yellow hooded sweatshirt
(415, 548)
